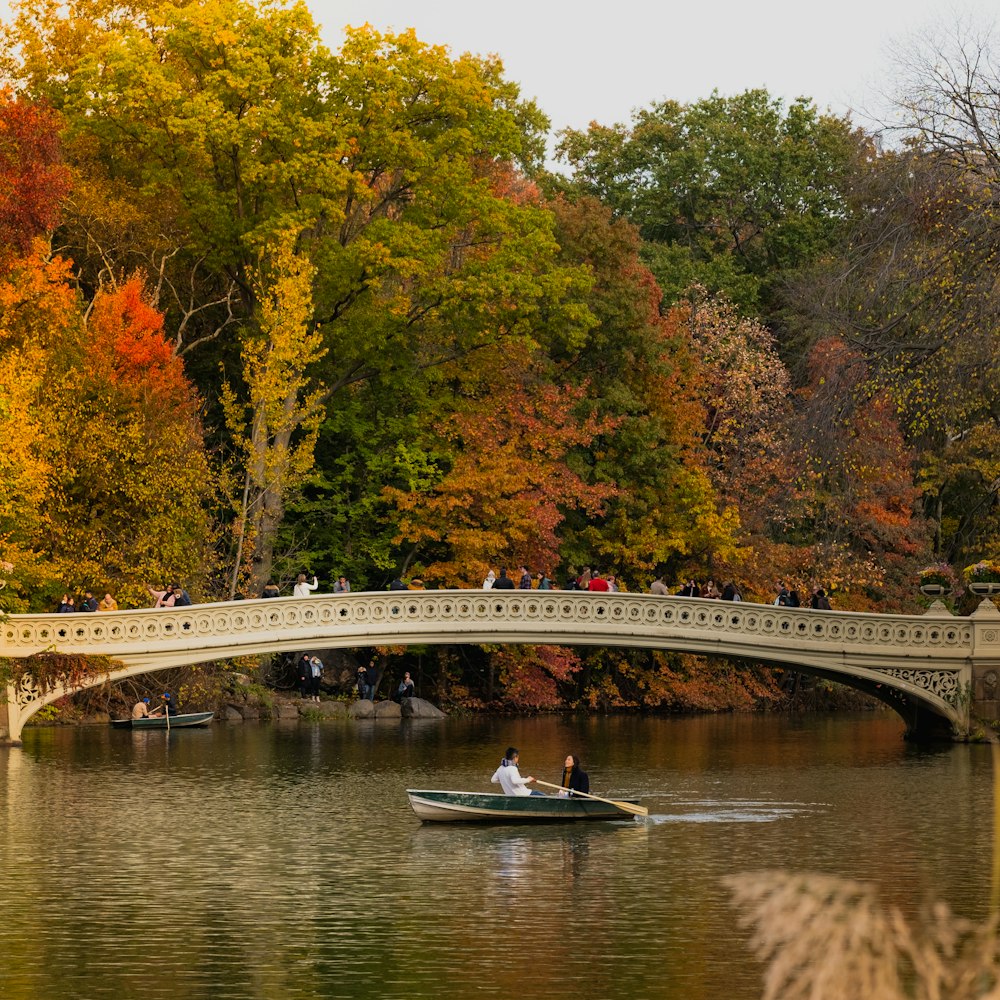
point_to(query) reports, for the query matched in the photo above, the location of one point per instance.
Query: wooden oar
(624, 806)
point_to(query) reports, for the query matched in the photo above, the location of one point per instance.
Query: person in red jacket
(597, 582)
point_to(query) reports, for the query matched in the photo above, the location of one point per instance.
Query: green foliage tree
(731, 193)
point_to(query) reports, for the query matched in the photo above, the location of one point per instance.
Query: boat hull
(184, 721)
(484, 807)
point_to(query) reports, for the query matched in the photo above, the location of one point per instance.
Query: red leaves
(33, 181)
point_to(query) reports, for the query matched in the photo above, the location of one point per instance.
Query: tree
(732, 193)
(639, 372)
(33, 179)
(129, 504)
(276, 429)
(211, 129)
(504, 491)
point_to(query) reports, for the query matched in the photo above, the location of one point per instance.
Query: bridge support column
(10, 727)
(985, 693)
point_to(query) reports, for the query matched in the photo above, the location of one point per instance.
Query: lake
(283, 860)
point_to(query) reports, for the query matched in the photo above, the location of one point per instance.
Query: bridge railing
(369, 618)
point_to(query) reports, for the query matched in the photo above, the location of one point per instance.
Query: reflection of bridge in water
(938, 671)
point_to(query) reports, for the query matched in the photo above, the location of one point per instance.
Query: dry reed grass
(826, 938)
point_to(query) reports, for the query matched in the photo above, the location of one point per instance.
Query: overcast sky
(585, 60)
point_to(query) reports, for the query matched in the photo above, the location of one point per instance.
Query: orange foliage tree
(131, 503)
(505, 483)
(110, 462)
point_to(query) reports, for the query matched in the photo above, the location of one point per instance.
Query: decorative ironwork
(943, 683)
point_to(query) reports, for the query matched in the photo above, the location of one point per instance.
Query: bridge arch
(921, 665)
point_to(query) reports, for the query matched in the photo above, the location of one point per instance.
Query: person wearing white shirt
(509, 777)
(301, 588)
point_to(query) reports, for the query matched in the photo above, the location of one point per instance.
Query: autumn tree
(208, 130)
(275, 428)
(638, 371)
(504, 485)
(130, 503)
(913, 289)
(33, 179)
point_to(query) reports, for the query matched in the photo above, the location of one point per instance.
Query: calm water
(284, 861)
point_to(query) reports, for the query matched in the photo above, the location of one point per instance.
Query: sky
(584, 60)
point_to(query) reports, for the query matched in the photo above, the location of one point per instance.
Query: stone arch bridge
(940, 672)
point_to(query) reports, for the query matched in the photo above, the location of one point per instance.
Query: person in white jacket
(301, 588)
(488, 582)
(509, 777)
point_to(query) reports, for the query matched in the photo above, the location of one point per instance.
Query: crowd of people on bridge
(591, 580)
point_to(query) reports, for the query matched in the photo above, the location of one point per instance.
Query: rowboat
(160, 722)
(488, 807)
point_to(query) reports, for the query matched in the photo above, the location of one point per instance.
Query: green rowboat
(487, 807)
(160, 722)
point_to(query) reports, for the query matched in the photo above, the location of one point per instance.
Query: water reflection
(260, 862)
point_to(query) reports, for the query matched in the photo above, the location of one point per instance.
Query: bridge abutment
(5, 738)
(984, 695)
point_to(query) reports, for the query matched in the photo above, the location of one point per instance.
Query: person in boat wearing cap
(140, 710)
(167, 707)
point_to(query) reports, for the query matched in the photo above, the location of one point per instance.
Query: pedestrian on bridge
(302, 586)
(162, 598)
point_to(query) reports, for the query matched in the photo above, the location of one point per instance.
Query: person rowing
(509, 777)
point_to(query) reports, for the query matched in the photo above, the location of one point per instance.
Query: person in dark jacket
(503, 582)
(363, 693)
(574, 779)
(405, 689)
(305, 674)
(89, 602)
(398, 584)
(371, 680)
(819, 600)
(166, 707)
